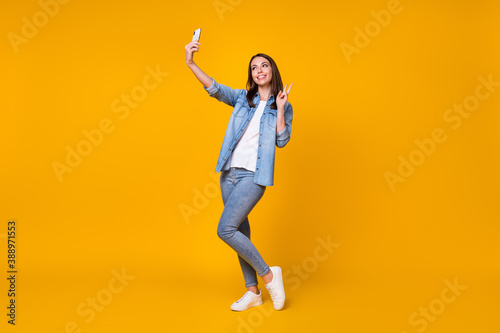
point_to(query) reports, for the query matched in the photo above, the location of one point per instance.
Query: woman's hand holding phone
(194, 46)
(190, 48)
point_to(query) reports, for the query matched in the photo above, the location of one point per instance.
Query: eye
(265, 65)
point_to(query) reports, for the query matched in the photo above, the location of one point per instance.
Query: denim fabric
(240, 195)
(238, 122)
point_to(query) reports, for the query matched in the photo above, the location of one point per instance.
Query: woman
(258, 123)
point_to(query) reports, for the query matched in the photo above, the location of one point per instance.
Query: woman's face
(261, 71)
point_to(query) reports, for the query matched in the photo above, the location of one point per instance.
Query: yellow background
(120, 208)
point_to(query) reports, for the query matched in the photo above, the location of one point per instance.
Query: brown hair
(276, 83)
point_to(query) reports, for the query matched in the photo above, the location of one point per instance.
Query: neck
(264, 92)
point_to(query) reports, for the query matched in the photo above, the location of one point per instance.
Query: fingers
(284, 93)
(194, 48)
(289, 88)
(193, 44)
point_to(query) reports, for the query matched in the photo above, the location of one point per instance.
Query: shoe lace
(244, 298)
(272, 292)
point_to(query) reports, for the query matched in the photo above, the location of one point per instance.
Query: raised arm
(219, 91)
(190, 48)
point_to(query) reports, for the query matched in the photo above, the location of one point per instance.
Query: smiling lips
(261, 77)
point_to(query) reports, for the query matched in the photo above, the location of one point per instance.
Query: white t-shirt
(244, 154)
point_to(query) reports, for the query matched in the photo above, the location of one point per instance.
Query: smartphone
(196, 35)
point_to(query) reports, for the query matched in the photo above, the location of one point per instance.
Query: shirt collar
(269, 100)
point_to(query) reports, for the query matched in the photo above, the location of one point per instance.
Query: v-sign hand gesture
(283, 97)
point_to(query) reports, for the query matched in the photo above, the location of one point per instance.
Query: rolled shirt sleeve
(213, 88)
(283, 136)
(224, 93)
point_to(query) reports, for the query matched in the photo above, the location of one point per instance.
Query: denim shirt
(238, 122)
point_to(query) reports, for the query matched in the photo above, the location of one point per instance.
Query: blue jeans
(240, 195)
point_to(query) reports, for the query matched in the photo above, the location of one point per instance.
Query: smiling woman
(261, 72)
(261, 121)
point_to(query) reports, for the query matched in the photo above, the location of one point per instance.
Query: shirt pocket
(272, 117)
(240, 109)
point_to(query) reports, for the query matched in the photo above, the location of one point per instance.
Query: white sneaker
(276, 289)
(247, 301)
